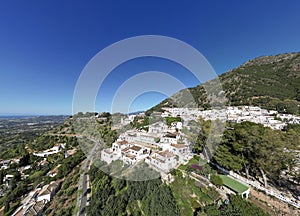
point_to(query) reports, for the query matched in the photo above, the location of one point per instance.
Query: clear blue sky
(44, 45)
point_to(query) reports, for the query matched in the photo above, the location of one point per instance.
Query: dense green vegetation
(236, 206)
(253, 149)
(13, 146)
(216, 180)
(15, 132)
(259, 150)
(87, 125)
(190, 196)
(69, 163)
(197, 134)
(113, 196)
(36, 173)
(170, 120)
(46, 141)
(64, 202)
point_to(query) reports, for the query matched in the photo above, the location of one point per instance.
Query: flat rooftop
(233, 184)
(143, 144)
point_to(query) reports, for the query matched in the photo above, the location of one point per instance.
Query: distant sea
(25, 116)
(16, 116)
(135, 113)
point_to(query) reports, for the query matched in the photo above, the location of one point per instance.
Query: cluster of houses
(165, 147)
(4, 164)
(159, 147)
(254, 114)
(35, 201)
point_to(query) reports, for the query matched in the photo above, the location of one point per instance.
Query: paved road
(83, 202)
(85, 168)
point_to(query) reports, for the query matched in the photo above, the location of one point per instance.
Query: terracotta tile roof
(130, 156)
(125, 149)
(136, 148)
(178, 145)
(166, 154)
(158, 159)
(123, 142)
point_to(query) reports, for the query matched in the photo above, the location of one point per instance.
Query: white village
(165, 147)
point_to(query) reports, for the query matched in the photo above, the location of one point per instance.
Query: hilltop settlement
(164, 146)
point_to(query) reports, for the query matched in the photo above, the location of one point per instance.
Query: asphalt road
(83, 203)
(84, 194)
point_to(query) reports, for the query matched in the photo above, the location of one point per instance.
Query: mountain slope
(271, 82)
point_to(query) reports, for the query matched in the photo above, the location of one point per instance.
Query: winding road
(84, 177)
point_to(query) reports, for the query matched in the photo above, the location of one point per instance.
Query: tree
(240, 206)
(161, 202)
(258, 150)
(1, 176)
(24, 160)
(170, 120)
(211, 210)
(156, 139)
(225, 157)
(197, 134)
(7, 207)
(271, 156)
(173, 172)
(216, 180)
(236, 206)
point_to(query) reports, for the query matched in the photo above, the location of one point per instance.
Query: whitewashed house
(129, 158)
(146, 137)
(108, 155)
(54, 150)
(163, 160)
(170, 138)
(157, 128)
(178, 149)
(129, 136)
(119, 145)
(47, 192)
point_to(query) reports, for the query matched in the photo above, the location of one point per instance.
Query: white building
(128, 152)
(163, 160)
(170, 138)
(47, 192)
(157, 128)
(119, 145)
(179, 149)
(109, 155)
(54, 150)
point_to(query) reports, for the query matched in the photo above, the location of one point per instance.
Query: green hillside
(271, 82)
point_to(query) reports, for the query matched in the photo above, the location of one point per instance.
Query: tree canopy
(257, 149)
